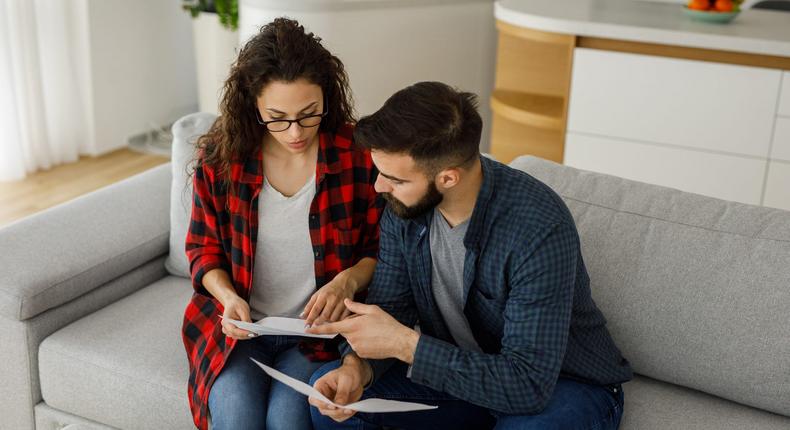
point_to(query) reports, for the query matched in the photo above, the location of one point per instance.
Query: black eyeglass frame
(289, 121)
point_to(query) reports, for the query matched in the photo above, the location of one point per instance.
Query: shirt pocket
(345, 240)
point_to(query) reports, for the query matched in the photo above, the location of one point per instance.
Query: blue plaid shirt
(527, 296)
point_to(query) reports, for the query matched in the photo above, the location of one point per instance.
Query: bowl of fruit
(717, 11)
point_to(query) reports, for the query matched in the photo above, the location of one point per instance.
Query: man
(487, 259)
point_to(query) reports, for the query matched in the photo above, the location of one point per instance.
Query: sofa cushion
(48, 418)
(124, 365)
(61, 253)
(185, 131)
(696, 290)
(651, 404)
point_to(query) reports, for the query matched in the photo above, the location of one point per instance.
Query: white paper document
(367, 405)
(278, 326)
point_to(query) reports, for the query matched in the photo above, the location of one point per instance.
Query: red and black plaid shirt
(343, 222)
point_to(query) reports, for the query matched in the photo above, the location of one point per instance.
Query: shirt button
(317, 253)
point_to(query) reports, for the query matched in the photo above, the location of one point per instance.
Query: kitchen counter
(753, 31)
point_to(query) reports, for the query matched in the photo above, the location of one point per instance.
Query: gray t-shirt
(447, 277)
(283, 277)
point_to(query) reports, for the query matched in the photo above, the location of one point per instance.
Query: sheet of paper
(367, 405)
(278, 326)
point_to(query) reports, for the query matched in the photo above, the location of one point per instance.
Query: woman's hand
(326, 304)
(237, 309)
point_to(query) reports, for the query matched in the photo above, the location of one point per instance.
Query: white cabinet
(784, 97)
(780, 150)
(694, 104)
(703, 127)
(722, 176)
(777, 187)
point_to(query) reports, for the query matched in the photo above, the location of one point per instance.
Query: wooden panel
(534, 35)
(48, 188)
(529, 109)
(528, 66)
(711, 55)
(784, 96)
(511, 139)
(718, 107)
(531, 93)
(726, 177)
(777, 187)
(781, 147)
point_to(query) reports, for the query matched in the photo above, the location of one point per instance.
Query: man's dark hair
(436, 125)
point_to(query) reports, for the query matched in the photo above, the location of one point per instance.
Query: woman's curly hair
(281, 51)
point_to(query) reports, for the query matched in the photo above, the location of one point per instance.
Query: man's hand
(373, 333)
(343, 385)
(326, 304)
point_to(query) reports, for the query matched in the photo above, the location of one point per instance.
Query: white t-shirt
(283, 276)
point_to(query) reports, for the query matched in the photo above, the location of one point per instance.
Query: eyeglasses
(284, 124)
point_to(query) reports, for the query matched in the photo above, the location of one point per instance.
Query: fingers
(337, 314)
(328, 386)
(337, 414)
(319, 404)
(244, 313)
(332, 328)
(359, 308)
(343, 392)
(331, 411)
(309, 306)
(345, 315)
(329, 307)
(231, 330)
(318, 306)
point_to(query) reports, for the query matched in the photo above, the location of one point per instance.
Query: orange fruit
(698, 4)
(724, 5)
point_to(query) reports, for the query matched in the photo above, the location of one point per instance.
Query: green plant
(227, 10)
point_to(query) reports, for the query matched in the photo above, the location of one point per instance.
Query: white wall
(387, 45)
(141, 68)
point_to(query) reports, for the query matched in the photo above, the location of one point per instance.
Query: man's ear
(447, 178)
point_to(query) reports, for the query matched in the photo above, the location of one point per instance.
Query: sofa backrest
(696, 290)
(185, 133)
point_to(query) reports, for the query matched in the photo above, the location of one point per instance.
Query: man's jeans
(244, 397)
(573, 405)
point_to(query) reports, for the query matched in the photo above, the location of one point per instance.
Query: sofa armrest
(64, 252)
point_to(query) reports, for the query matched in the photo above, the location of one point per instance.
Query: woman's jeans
(244, 397)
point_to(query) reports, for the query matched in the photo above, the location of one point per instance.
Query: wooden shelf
(535, 110)
(511, 139)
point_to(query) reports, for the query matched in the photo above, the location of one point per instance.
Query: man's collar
(477, 223)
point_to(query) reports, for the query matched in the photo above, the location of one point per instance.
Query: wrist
(360, 366)
(410, 339)
(349, 281)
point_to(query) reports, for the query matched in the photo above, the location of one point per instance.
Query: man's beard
(429, 201)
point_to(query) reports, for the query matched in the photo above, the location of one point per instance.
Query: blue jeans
(244, 397)
(573, 405)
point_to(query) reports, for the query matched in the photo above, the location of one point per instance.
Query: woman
(284, 222)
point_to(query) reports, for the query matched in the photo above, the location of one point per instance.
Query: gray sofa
(696, 291)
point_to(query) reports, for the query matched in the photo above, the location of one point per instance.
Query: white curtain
(43, 121)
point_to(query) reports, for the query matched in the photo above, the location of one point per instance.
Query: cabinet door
(694, 104)
(784, 97)
(728, 177)
(780, 150)
(777, 187)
